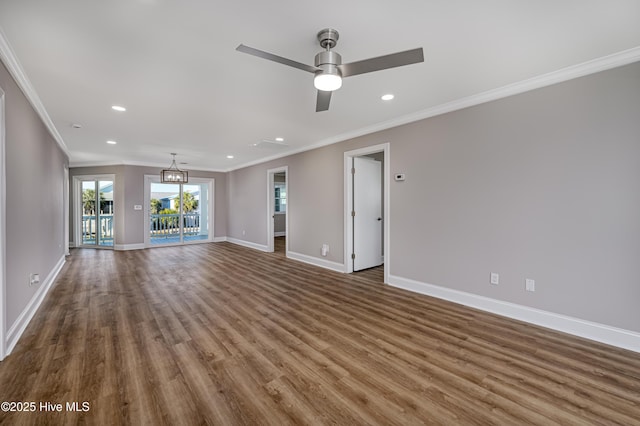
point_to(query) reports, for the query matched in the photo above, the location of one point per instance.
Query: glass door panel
(105, 213)
(96, 227)
(164, 210)
(195, 202)
(88, 226)
(178, 213)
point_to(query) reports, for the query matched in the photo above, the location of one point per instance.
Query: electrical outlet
(244, 232)
(325, 249)
(530, 285)
(495, 278)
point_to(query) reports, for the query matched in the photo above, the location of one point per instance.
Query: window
(281, 198)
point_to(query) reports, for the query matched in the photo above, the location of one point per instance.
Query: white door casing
(385, 149)
(367, 222)
(77, 204)
(3, 273)
(207, 209)
(271, 206)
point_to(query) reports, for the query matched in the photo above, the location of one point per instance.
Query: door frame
(77, 210)
(65, 198)
(3, 227)
(271, 207)
(149, 179)
(348, 204)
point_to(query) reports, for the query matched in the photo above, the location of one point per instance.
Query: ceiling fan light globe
(327, 82)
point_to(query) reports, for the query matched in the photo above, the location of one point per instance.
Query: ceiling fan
(329, 69)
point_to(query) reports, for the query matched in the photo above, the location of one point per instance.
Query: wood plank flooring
(224, 335)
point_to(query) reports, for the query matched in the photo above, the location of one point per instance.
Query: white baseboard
(138, 246)
(327, 264)
(621, 338)
(249, 244)
(18, 327)
(141, 246)
(280, 234)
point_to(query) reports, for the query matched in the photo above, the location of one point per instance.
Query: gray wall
(129, 191)
(34, 199)
(542, 185)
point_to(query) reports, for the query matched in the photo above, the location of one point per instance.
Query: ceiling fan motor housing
(328, 60)
(328, 57)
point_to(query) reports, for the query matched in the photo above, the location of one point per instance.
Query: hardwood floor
(225, 335)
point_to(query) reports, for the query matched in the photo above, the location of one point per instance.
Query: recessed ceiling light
(118, 108)
(279, 139)
(229, 157)
(112, 142)
(387, 97)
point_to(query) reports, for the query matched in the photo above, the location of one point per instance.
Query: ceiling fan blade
(275, 58)
(393, 60)
(322, 102)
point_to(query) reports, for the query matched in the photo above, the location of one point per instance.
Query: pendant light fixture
(173, 174)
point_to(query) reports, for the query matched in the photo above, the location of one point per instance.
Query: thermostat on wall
(399, 177)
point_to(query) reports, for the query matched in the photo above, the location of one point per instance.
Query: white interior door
(367, 221)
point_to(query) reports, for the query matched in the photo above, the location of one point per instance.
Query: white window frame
(149, 179)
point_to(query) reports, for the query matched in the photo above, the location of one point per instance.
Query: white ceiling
(173, 65)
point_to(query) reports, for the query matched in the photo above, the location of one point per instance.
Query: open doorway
(366, 211)
(277, 211)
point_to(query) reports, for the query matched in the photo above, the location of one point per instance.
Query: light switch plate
(137, 207)
(530, 285)
(495, 278)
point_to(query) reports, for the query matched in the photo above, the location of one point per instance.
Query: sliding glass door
(178, 213)
(95, 221)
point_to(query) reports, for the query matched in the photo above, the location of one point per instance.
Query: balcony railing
(168, 225)
(162, 226)
(102, 228)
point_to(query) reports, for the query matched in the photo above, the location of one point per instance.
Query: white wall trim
(621, 338)
(124, 247)
(219, 239)
(3, 229)
(67, 215)
(323, 263)
(249, 244)
(18, 327)
(15, 69)
(280, 234)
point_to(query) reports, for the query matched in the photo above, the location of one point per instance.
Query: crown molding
(107, 163)
(10, 60)
(604, 63)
